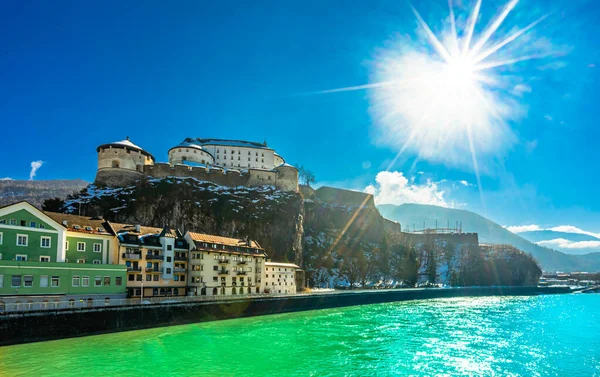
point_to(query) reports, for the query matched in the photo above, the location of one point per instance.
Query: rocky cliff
(337, 242)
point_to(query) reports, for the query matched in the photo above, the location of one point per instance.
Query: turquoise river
(556, 335)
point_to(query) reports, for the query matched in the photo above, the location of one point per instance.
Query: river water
(557, 335)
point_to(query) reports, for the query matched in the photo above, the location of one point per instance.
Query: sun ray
(435, 42)
(493, 27)
(514, 36)
(500, 63)
(455, 46)
(471, 26)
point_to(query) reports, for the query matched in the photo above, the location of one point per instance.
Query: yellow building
(224, 266)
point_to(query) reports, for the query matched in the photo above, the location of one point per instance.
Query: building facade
(36, 267)
(156, 260)
(224, 162)
(280, 278)
(224, 266)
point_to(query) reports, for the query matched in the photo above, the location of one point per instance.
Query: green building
(53, 259)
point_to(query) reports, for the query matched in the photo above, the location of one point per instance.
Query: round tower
(121, 163)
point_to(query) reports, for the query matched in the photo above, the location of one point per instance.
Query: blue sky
(78, 74)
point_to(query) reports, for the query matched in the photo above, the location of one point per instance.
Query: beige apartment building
(224, 266)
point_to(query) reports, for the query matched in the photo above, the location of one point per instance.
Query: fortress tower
(121, 162)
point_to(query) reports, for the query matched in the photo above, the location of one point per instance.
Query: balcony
(153, 270)
(242, 262)
(154, 257)
(241, 272)
(184, 259)
(179, 269)
(132, 256)
(223, 261)
(223, 272)
(134, 269)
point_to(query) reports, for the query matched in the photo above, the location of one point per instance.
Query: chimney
(138, 228)
(65, 224)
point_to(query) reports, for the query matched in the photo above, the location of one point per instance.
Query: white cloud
(35, 165)
(523, 228)
(560, 228)
(522, 88)
(548, 117)
(573, 229)
(395, 188)
(6, 179)
(465, 183)
(566, 244)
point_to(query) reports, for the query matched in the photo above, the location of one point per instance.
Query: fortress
(224, 162)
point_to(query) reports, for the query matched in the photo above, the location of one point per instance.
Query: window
(3, 221)
(67, 245)
(98, 281)
(80, 246)
(23, 223)
(107, 280)
(169, 247)
(32, 224)
(44, 258)
(21, 257)
(97, 248)
(22, 239)
(168, 270)
(118, 280)
(85, 281)
(96, 261)
(0, 238)
(55, 282)
(76, 280)
(215, 268)
(13, 222)
(169, 259)
(43, 281)
(215, 278)
(15, 281)
(148, 277)
(80, 260)
(156, 277)
(42, 226)
(45, 242)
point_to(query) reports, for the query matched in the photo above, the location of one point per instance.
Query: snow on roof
(281, 264)
(127, 143)
(225, 142)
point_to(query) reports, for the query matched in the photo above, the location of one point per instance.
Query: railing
(154, 257)
(154, 270)
(132, 256)
(241, 272)
(242, 262)
(223, 272)
(180, 258)
(100, 303)
(222, 261)
(134, 269)
(179, 270)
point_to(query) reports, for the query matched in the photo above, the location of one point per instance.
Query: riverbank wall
(34, 326)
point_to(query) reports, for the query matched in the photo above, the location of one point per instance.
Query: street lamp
(142, 295)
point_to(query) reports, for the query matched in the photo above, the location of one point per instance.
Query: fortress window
(217, 151)
(263, 160)
(248, 153)
(248, 158)
(269, 178)
(179, 150)
(238, 158)
(187, 150)
(257, 153)
(239, 152)
(257, 160)
(128, 151)
(115, 163)
(263, 155)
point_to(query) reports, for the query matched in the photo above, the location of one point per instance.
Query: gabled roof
(167, 232)
(32, 209)
(85, 224)
(209, 238)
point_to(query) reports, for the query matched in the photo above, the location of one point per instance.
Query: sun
(446, 98)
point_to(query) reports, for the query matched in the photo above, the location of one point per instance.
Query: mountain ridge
(489, 232)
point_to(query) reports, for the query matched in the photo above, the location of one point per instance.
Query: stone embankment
(45, 325)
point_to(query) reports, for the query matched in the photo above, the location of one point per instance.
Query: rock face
(336, 242)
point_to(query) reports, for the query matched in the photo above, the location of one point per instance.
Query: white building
(231, 154)
(280, 278)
